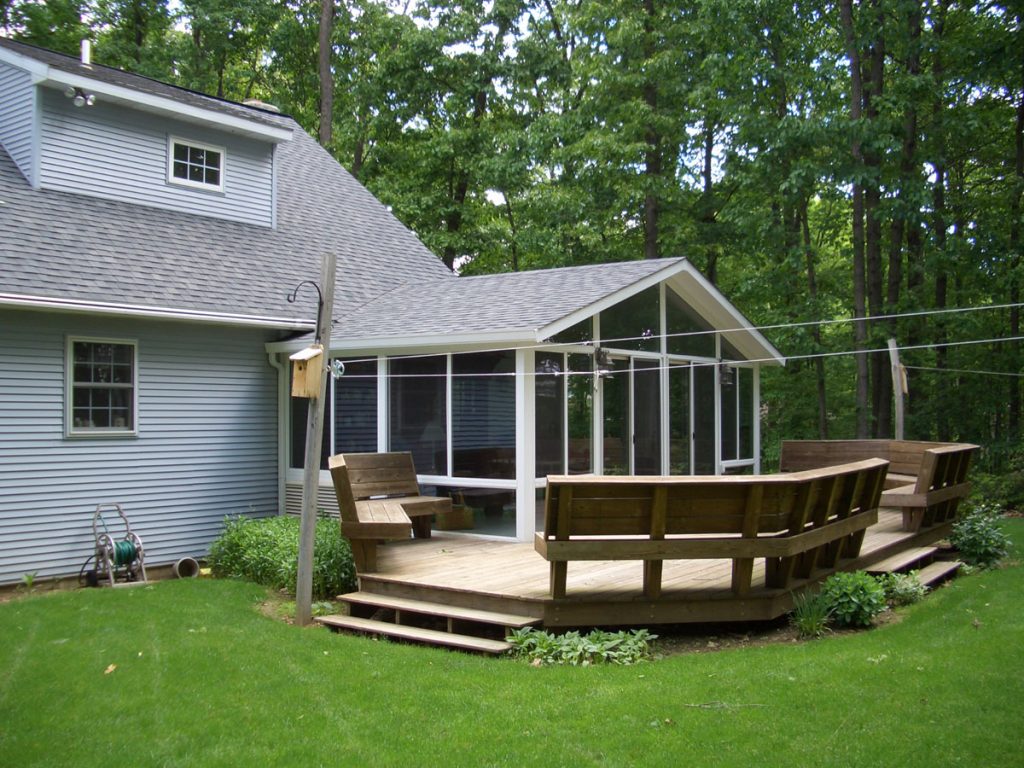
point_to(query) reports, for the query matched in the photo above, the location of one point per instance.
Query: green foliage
(902, 588)
(28, 580)
(266, 551)
(979, 537)
(811, 614)
(854, 599)
(575, 649)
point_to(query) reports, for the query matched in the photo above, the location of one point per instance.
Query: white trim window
(101, 379)
(194, 164)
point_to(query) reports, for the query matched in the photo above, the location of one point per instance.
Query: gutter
(18, 301)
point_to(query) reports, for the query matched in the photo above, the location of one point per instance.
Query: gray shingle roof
(523, 302)
(72, 247)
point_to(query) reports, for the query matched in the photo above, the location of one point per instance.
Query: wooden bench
(379, 499)
(926, 480)
(797, 522)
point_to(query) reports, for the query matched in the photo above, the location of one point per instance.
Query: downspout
(282, 424)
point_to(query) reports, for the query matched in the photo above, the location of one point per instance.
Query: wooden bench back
(944, 466)
(380, 475)
(905, 456)
(746, 505)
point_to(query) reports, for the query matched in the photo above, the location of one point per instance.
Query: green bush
(854, 599)
(267, 551)
(902, 588)
(810, 615)
(596, 647)
(979, 537)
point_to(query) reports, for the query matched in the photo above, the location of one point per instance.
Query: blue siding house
(149, 236)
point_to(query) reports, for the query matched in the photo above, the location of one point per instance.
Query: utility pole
(314, 436)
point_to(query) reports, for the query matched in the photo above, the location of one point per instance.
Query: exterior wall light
(79, 97)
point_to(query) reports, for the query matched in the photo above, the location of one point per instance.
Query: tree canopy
(857, 162)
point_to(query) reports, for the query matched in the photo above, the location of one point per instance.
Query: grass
(202, 677)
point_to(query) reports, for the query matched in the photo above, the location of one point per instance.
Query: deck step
(508, 620)
(418, 634)
(938, 571)
(902, 560)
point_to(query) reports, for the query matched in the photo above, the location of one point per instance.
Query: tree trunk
(812, 291)
(881, 390)
(860, 333)
(1013, 426)
(324, 71)
(652, 156)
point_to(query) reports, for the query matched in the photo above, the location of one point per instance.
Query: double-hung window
(194, 164)
(101, 387)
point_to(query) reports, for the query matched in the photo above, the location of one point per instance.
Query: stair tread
(440, 609)
(902, 559)
(432, 636)
(938, 570)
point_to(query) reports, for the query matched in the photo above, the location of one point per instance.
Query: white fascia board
(612, 299)
(706, 299)
(16, 301)
(161, 105)
(432, 344)
(35, 68)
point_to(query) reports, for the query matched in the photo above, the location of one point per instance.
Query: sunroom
(494, 382)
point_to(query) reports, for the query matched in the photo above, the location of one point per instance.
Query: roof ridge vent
(262, 105)
(86, 52)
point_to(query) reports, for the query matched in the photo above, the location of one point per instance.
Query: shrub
(854, 599)
(267, 551)
(596, 647)
(902, 588)
(810, 615)
(979, 538)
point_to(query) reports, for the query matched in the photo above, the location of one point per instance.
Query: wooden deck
(512, 577)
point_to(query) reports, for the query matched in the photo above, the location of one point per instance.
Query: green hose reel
(117, 558)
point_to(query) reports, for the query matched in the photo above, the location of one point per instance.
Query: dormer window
(195, 165)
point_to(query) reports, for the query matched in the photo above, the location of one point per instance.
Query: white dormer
(76, 127)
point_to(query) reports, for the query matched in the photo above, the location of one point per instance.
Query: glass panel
(746, 395)
(729, 384)
(549, 385)
(355, 408)
(633, 323)
(580, 403)
(578, 334)
(181, 152)
(418, 413)
(195, 173)
(679, 419)
(213, 177)
(686, 329)
(488, 511)
(484, 415)
(646, 417)
(180, 170)
(704, 461)
(299, 419)
(615, 386)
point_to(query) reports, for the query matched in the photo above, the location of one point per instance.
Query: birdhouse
(307, 365)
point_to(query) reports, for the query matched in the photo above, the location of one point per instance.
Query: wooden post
(314, 436)
(899, 386)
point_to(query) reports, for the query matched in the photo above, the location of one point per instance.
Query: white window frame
(70, 430)
(173, 141)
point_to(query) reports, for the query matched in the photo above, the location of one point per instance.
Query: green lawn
(202, 678)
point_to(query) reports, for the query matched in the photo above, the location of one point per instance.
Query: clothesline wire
(964, 370)
(553, 345)
(698, 363)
